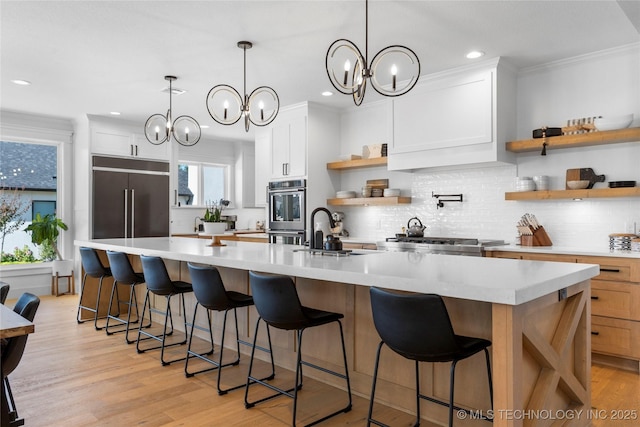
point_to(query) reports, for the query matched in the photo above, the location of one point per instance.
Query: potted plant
(44, 233)
(212, 219)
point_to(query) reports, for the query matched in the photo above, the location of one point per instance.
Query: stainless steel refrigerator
(130, 198)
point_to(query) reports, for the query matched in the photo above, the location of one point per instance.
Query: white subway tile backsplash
(485, 214)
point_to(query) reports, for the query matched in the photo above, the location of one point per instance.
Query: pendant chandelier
(160, 128)
(226, 106)
(393, 71)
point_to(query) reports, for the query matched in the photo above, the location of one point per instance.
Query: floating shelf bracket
(449, 198)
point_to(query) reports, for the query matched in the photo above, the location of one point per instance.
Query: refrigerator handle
(133, 212)
(125, 212)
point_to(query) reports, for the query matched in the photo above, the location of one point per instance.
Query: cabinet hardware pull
(131, 149)
(595, 333)
(136, 151)
(595, 297)
(611, 270)
(126, 210)
(175, 197)
(133, 212)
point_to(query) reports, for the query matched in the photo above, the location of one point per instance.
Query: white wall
(604, 83)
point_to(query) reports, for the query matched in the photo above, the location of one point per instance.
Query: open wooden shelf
(370, 201)
(579, 140)
(357, 163)
(574, 194)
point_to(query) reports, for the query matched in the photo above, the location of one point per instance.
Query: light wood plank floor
(72, 375)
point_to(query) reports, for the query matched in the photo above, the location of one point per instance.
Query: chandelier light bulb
(394, 73)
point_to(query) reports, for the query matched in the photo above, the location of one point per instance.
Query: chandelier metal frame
(245, 103)
(362, 71)
(180, 129)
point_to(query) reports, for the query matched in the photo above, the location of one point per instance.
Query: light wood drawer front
(549, 257)
(616, 269)
(615, 336)
(615, 299)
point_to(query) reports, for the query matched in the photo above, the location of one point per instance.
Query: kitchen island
(535, 313)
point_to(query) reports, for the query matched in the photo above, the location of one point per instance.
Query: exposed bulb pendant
(185, 129)
(226, 106)
(401, 62)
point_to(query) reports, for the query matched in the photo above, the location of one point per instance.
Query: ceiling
(94, 57)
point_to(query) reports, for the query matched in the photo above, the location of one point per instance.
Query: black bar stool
(92, 268)
(278, 305)
(12, 350)
(159, 283)
(4, 291)
(123, 274)
(418, 327)
(211, 295)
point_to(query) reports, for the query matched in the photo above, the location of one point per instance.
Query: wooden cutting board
(586, 174)
(378, 183)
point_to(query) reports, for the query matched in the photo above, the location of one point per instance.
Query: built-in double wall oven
(287, 211)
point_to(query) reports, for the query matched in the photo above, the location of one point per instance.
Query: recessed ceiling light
(327, 93)
(204, 126)
(21, 82)
(115, 113)
(474, 54)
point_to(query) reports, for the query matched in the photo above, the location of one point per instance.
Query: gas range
(438, 245)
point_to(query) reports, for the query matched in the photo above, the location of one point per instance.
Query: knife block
(538, 238)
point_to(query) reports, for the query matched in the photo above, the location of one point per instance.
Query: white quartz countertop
(492, 280)
(566, 250)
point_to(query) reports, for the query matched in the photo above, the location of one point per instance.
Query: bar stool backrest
(91, 263)
(416, 326)
(156, 275)
(276, 300)
(4, 292)
(209, 288)
(12, 351)
(121, 268)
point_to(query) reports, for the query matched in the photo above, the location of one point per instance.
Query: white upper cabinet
(459, 117)
(298, 145)
(289, 148)
(114, 139)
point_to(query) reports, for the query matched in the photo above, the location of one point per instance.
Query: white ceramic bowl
(345, 194)
(613, 122)
(577, 185)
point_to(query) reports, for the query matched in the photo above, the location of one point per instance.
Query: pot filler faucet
(312, 239)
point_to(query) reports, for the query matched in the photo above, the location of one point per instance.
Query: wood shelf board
(357, 163)
(370, 201)
(574, 194)
(579, 140)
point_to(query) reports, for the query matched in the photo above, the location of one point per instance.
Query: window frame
(200, 181)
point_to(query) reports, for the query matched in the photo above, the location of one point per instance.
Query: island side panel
(542, 359)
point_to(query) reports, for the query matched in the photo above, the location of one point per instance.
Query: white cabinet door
(146, 150)
(289, 149)
(297, 147)
(113, 142)
(279, 150)
(119, 142)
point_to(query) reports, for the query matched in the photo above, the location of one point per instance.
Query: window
(42, 207)
(32, 170)
(202, 183)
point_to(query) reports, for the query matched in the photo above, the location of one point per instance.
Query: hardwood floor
(73, 375)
